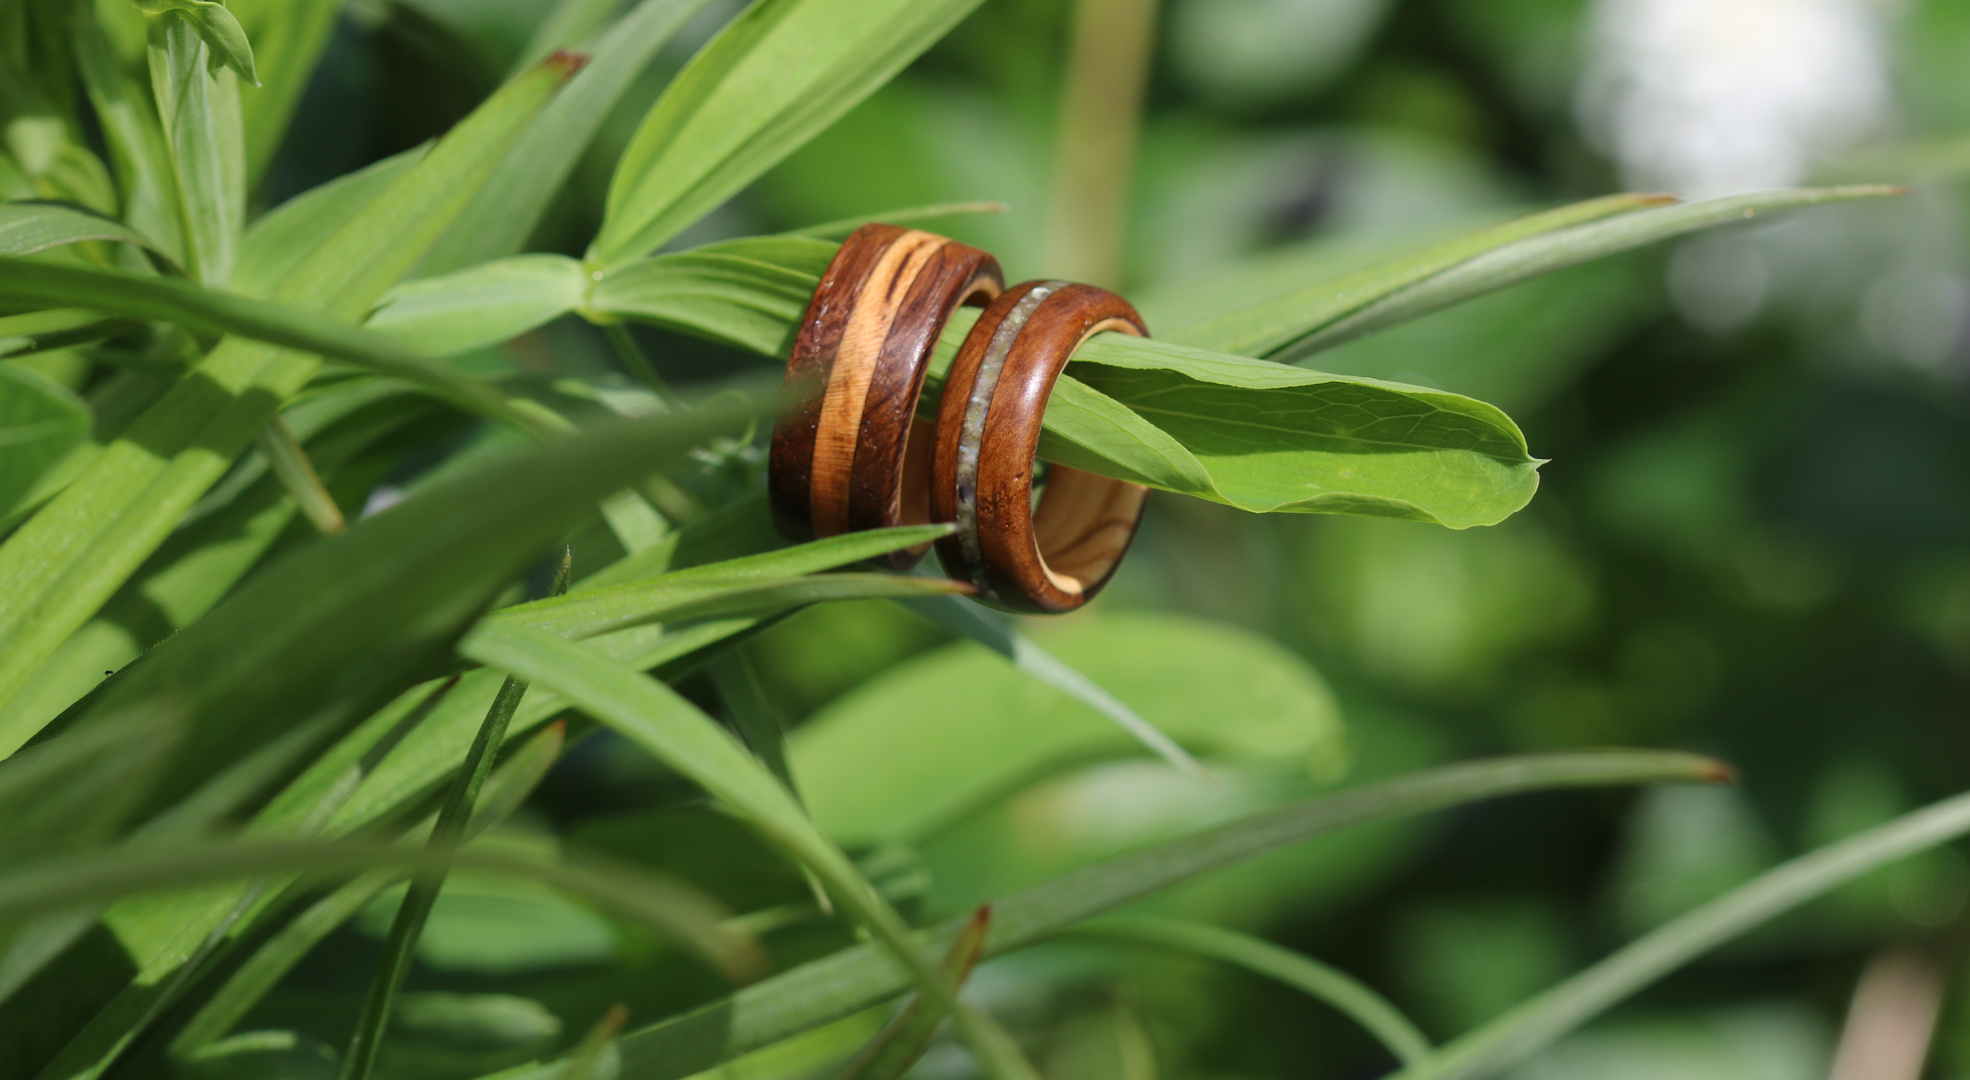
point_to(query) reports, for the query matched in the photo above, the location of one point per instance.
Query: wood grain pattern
(846, 454)
(1055, 558)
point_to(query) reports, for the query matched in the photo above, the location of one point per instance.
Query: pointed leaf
(1545, 253)
(847, 982)
(771, 80)
(618, 607)
(30, 227)
(485, 305)
(505, 212)
(216, 26)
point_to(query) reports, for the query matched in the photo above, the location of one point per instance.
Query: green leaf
(902, 1041)
(655, 718)
(808, 558)
(40, 423)
(64, 562)
(689, 595)
(568, 25)
(485, 305)
(136, 142)
(1530, 257)
(995, 632)
(1275, 438)
(749, 293)
(839, 230)
(1331, 985)
(1219, 692)
(447, 833)
(771, 80)
(672, 908)
(1536, 1024)
(849, 981)
(199, 113)
(215, 312)
(386, 596)
(276, 244)
(30, 227)
(506, 211)
(214, 25)
(56, 328)
(1271, 313)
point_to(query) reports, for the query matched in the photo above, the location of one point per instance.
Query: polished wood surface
(1056, 557)
(846, 454)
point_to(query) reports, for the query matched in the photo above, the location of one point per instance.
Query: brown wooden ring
(1057, 557)
(845, 454)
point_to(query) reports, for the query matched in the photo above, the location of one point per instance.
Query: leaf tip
(1715, 771)
(565, 63)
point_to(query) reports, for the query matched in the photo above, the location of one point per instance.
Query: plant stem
(1331, 985)
(639, 364)
(446, 835)
(1537, 1023)
(297, 474)
(1100, 114)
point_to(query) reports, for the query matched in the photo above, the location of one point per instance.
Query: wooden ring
(1057, 557)
(845, 454)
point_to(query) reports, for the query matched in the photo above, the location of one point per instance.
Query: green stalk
(1344, 992)
(296, 473)
(1536, 1024)
(447, 833)
(638, 363)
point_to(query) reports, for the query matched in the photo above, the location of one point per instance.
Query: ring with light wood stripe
(1056, 557)
(846, 455)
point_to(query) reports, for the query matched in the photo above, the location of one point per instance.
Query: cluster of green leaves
(357, 706)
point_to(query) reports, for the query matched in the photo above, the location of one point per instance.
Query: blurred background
(1752, 540)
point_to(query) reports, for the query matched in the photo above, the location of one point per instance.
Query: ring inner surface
(971, 436)
(839, 428)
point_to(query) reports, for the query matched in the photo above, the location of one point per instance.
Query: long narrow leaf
(674, 909)
(63, 563)
(774, 78)
(1530, 257)
(1511, 1038)
(505, 212)
(272, 960)
(654, 717)
(1333, 986)
(846, 982)
(30, 227)
(447, 832)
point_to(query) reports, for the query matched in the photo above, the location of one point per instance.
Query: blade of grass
(1270, 322)
(775, 77)
(1498, 267)
(995, 633)
(214, 312)
(654, 717)
(839, 230)
(676, 910)
(855, 979)
(902, 1041)
(504, 214)
(30, 227)
(1536, 1024)
(136, 143)
(1348, 995)
(808, 558)
(252, 980)
(447, 833)
(198, 107)
(599, 611)
(296, 473)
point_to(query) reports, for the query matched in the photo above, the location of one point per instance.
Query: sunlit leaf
(774, 78)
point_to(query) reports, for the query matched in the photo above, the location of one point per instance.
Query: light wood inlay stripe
(855, 360)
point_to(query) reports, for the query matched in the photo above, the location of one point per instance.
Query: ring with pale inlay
(1055, 557)
(846, 455)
